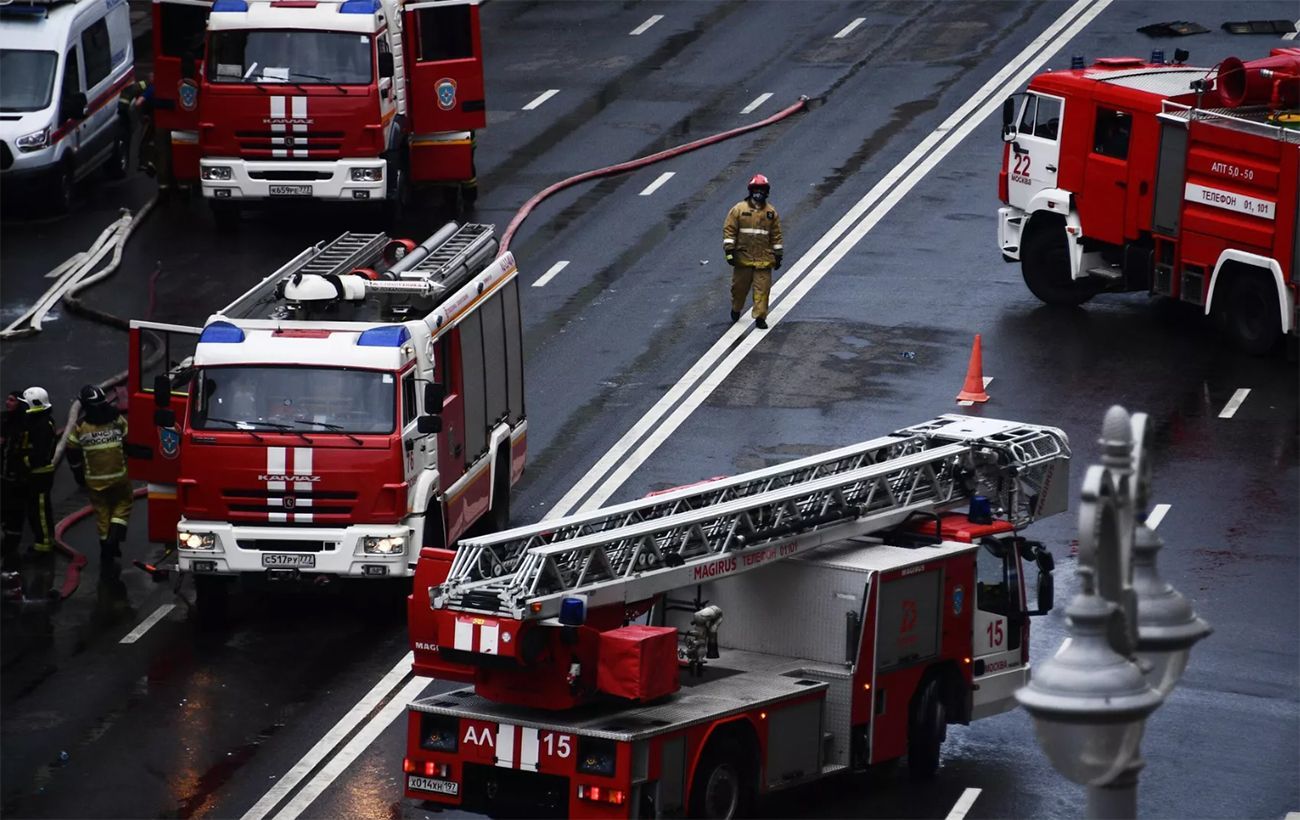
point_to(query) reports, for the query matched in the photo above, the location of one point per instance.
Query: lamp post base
(1117, 800)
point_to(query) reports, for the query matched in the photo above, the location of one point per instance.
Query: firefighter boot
(116, 535)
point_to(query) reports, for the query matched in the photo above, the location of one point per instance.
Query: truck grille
(318, 502)
(6, 158)
(282, 545)
(316, 144)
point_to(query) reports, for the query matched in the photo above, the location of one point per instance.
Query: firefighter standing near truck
(752, 244)
(97, 456)
(28, 472)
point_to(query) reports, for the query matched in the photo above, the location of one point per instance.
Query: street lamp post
(1130, 632)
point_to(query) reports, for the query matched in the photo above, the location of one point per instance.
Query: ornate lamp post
(1130, 632)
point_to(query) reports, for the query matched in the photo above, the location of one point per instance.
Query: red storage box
(638, 662)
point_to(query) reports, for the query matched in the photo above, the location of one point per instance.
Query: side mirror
(73, 106)
(386, 66)
(434, 395)
(428, 425)
(1008, 112)
(162, 390)
(1046, 584)
(164, 417)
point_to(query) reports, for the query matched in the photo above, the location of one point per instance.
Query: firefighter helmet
(36, 398)
(760, 181)
(92, 396)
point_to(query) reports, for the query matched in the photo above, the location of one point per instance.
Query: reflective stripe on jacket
(102, 448)
(754, 234)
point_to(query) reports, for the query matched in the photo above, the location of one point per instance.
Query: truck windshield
(26, 79)
(329, 400)
(290, 56)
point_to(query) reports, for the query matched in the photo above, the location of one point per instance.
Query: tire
(119, 162)
(1045, 264)
(226, 215)
(1253, 319)
(398, 195)
(927, 728)
(64, 191)
(723, 786)
(212, 600)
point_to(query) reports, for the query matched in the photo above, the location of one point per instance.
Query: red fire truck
(345, 100)
(1144, 176)
(689, 651)
(361, 403)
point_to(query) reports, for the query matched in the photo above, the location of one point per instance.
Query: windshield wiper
(274, 425)
(236, 425)
(334, 428)
(325, 80)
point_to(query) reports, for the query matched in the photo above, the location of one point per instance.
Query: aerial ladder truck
(692, 650)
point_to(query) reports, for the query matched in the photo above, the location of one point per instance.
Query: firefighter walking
(97, 456)
(29, 441)
(752, 244)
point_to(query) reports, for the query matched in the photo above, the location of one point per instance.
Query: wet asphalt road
(184, 724)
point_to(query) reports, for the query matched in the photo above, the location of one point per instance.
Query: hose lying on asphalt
(641, 162)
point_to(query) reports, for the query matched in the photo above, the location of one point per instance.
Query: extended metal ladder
(638, 549)
(447, 266)
(349, 251)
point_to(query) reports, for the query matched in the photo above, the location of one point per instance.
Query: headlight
(34, 141)
(375, 545)
(196, 541)
(367, 174)
(219, 172)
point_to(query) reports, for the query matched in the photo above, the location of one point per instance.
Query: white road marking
(963, 804)
(1290, 35)
(147, 624)
(654, 186)
(392, 710)
(541, 98)
(847, 30)
(332, 738)
(759, 100)
(641, 29)
(1157, 515)
(550, 274)
(1230, 409)
(1008, 79)
(717, 363)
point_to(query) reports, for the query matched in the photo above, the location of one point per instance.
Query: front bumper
(303, 179)
(305, 550)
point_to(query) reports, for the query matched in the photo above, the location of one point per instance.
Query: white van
(62, 67)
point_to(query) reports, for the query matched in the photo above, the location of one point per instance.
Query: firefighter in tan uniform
(97, 455)
(751, 241)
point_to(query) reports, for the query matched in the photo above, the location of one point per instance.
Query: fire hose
(73, 279)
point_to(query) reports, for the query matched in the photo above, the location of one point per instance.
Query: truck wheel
(927, 728)
(65, 188)
(1253, 320)
(212, 600)
(398, 193)
(1045, 264)
(723, 786)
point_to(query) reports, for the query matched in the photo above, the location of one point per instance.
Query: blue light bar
(390, 336)
(221, 333)
(981, 510)
(229, 5)
(357, 7)
(16, 10)
(572, 612)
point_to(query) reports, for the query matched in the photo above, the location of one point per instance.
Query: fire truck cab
(1129, 175)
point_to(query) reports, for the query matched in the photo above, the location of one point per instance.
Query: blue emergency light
(981, 510)
(221, 333)
(573, 612)
(1157, 56)
(1076, 62)
(359, 7)
(388, 336)
(229, 5)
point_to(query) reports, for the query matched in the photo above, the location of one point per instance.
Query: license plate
(290, 190)
(204, 566)
(275, 559)
(429, 784)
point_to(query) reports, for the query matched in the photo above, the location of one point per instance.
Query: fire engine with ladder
(360, 403)
(1128, 175)
(689, 651)
(342, 100)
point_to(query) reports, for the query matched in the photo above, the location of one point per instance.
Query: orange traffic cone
(973, 390)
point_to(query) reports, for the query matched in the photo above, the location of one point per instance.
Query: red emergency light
(599, 794)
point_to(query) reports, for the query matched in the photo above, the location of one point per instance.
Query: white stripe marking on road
(147, 624)
(334, 736)
(1290, 35)
(541, 98)
(1234, 403)
(1157, 515)
(759, 100)
(847, 30)
(654, 186)
(550, 274)
(641, 29)
(963, 804)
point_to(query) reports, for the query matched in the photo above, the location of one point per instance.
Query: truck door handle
(1121, 183)
(1051, 168)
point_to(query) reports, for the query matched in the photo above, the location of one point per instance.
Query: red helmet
(760, 181)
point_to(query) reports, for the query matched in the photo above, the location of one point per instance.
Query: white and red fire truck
(689, 651)
(345, 100)
(1129, 175)
(362, 402)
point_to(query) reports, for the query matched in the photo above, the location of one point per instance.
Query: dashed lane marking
(147, 624)
(550, 274)
(759, 100)
(1230, 409)
(654, 186)
(541, 98)
(1290, 35)
(963, 804)
(1157, 515)
(641, 29)
(847, 30)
